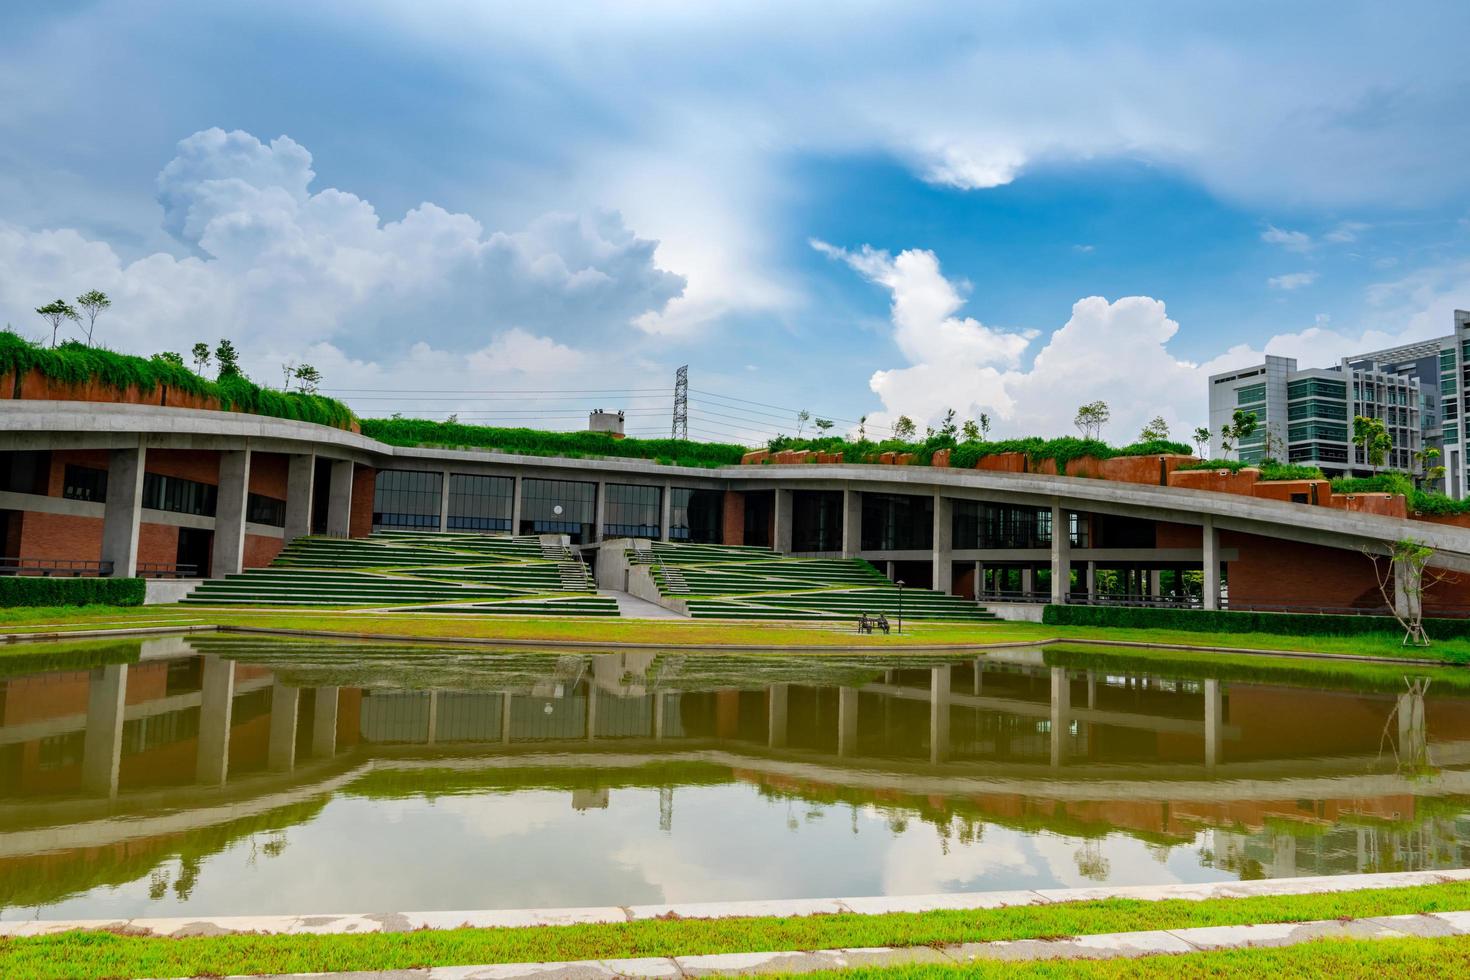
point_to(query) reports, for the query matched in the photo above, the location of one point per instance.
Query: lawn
(108, 954)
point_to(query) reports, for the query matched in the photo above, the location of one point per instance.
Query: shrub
(532, 442)
(1234, 621)
(25, 590)
(76, 363)
(1419, 501)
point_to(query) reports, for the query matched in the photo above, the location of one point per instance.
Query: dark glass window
(897, 522)
(407, 499)
(697, 516)
(632, 512)
(982, 525)
(260, 509)
(84, 483)
(177, 495)
(480, 503)
(558, 507)
(816, 520)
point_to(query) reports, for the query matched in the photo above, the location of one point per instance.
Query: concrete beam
(216, 709)
(123, 510)
(300, 482)
(228, 556)
(339, 499)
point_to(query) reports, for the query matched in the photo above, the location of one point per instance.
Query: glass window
(177, 495)
(632, 512)
(407, 499)
(1446, 360)
(265, 510)
(1318, 408)
(1317, 430)
(816, 520)
(480, 503)
(1452, 433)
(697, 516)
(1250, 395)
(897, 522)
(558, 507)
(1307, 387)
(1447, 386)
(84, 483)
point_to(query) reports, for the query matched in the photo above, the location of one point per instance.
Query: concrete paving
(632, 607)
(1118, 945)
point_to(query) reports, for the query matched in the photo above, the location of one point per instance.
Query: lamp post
(900, 607)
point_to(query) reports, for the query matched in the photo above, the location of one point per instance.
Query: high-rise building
(1305, 415)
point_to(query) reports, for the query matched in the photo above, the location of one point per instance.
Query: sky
(517, 213)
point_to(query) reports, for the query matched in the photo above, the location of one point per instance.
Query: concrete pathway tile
(1282, 933)
(1427, 926)
(1143, 893)
(219, 925)
(892, 956)
(335, 924)
(1455, 920)
(747, 963)
(953, 900)
(44, 927)
(717, 910)
(1127, 944)
(511, 918)
(580, 970)
(651, 966)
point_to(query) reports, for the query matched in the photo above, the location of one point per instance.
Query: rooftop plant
(533, 442)
(1270, 468)
(1419, 501)
(967, 453)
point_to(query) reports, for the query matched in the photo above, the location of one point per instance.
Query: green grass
(1351, 959)
(105, 954)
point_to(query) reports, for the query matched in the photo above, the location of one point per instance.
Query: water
(355, 777)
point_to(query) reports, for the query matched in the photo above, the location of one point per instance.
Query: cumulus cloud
(1293, 241)
(1292, 280)
(282, 269)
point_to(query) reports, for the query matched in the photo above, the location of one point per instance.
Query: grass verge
(106, 954)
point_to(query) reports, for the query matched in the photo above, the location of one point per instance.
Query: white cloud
(1292, 280)
(283, 269)
(1346, 231)
(1292, 241)
(1084, 248)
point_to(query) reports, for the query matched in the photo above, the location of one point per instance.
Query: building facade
(1305, 415)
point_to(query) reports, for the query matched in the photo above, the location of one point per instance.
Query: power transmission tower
(681, 403)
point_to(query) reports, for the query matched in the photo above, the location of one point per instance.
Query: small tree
(802, 418)
(1371, 436)
(823, 425)
(1426, 466)
(93, 303)
(1156, 429)
(970, 431)
(1403, 585)
(984, 425)
(54, 312)
(288, 371)
(1201, 439)
(1242, 426)
(863, 429)
(308, 379)
(200, 353)
(948, 426)
(227, 359)
(171, 357)
(905, 428)
(1272, 445)
(1091, 418)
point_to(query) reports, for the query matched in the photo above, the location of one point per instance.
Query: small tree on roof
(54, 312)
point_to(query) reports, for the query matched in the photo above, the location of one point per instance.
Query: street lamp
(900, 607)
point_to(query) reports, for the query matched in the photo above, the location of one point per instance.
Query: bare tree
(288, 371)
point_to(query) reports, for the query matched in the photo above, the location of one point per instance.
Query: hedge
(964, 455)
(76, 363)
(1228, 621)
(534, 442)
(28, 590)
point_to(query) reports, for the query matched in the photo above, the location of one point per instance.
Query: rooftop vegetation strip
(75, 363)
(1269, 469)
(534, 442)
(965, 454)
(1419, 501)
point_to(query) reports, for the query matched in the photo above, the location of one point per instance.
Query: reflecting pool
(234, 774)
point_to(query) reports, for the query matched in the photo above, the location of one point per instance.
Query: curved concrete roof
(61, 424)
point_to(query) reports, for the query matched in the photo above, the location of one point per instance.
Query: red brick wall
(268, 474)
(1283, 489)
(156, 543)
(93, 458)
(964, 582)
(261, 549)
(1167, 535)
(60, 536)
(199, 465)
(734, 517)
(361, 524)
(1241, 482)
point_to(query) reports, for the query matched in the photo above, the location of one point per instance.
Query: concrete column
(939, 678)
(1155, 583)
(229, 514)
(979, 580)
(852, 523)
(339, 499)
(943, 543)
(658, 716)
(1413, 735)
(300, 480)
(888, 571)
(1214, 721)
(444, 501)
(281, 745)
(776, 729)
(1091, 580)
(1211, 541)
(847, 716)
(1061, 714)
(107, 690)
(324, 724)
(123, 510)
(599, 512)
(1061, 555)
(505, 717)
(666, 512)
(515, 506)
(591, 711)
(783, 504)
(1027, 584)
(216, 708)
(1092, 689)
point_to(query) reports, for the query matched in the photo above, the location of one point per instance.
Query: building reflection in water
(185, 735)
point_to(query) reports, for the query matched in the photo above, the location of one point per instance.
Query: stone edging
(612, 914)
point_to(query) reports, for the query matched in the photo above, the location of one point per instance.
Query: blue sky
(867, 210)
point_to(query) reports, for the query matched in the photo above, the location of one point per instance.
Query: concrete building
(1306, 415)
(127, 489)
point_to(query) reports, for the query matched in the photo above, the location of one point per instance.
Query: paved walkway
(632, 607)
(1115, 945)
